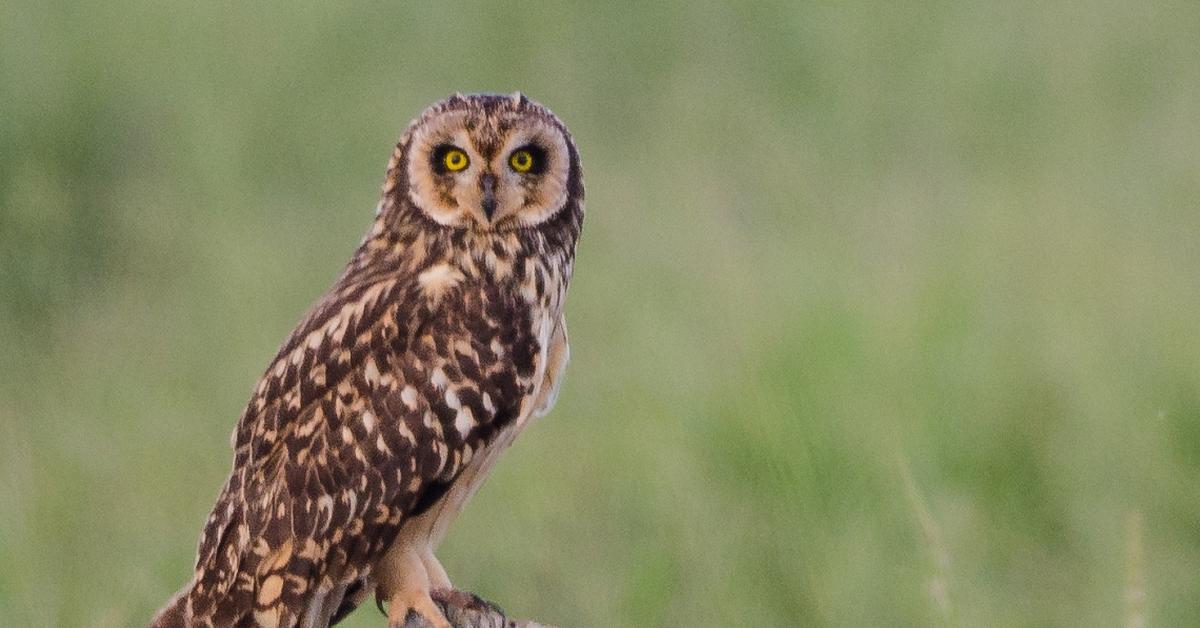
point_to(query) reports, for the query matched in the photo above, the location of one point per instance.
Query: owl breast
(516, 348)
(497, 346)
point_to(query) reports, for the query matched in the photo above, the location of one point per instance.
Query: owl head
(486, 162)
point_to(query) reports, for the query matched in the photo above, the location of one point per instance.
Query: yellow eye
(521, 161)
(455, 160)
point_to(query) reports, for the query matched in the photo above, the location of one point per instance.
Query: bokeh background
(884, 313)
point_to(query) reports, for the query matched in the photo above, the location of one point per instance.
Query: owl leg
(404, 586)
(438, 579)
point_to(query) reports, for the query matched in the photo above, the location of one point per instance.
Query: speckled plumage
(389, 402)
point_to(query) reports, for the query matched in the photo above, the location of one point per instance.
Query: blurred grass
(827, 242)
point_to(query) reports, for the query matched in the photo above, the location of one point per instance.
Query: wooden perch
(466, 610)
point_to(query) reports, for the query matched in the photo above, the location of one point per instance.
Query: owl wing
(371, 409)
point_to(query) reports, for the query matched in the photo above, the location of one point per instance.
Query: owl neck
(535, 262)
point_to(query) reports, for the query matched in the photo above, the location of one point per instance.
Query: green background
(884, 313)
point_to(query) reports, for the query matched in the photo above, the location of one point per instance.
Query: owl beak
(487, 185)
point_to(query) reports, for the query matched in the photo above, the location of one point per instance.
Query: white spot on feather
(409, 397)
(464, 421)
(438, 378)
(371, 372)
(439, 278)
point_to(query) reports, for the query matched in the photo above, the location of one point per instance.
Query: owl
(392, 399)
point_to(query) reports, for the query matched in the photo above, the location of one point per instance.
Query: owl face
(488, 163)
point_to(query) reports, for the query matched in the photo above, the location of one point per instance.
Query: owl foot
(415, 610)
(464, 608)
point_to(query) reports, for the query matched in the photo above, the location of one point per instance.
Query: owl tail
(173, 615)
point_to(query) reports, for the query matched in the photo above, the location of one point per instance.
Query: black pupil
(448, 158)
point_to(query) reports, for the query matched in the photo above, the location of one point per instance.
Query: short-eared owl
(390, 402)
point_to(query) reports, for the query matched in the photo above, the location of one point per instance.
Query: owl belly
(430, 528)
(419, 536)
